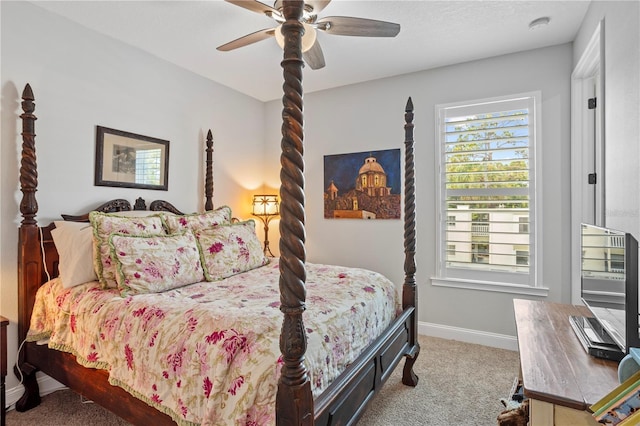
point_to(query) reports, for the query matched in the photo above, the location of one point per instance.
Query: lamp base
(267, 250)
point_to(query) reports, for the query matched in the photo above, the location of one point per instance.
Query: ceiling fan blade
(349, 26)
(255, 6)
(248, 39)
(314, 56)
(318, 5)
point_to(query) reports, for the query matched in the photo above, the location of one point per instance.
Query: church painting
(362, 185)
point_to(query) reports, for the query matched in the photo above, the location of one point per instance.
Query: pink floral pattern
(197, 221)
(155, 264)
(215, 357)
(231, 249)
(104, 225)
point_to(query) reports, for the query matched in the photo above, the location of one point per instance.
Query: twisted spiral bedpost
(30, 263)
(409, 296)
(29, 266)
(28, 166)
(208, 181)
(409, 209)
(294, 403)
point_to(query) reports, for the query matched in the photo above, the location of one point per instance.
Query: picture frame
(129, 160)
(363, 185)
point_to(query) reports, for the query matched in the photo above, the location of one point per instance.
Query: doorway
(587, 148)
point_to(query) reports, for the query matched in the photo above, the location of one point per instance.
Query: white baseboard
(494, 340)
(45, 383)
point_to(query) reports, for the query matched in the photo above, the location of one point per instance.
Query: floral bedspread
(208, 353)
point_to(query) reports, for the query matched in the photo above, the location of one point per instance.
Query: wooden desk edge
(539, 389)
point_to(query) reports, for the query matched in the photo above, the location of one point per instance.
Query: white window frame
(509, 282)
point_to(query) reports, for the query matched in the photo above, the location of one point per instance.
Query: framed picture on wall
(129, 160)
(362, 185)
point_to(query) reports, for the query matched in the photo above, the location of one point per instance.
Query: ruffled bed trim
(166, 410)
(101, 365)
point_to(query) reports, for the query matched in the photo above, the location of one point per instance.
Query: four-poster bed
(344, 399)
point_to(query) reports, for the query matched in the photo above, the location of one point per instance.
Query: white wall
(621, 105)
(82, 79)
(370, 116)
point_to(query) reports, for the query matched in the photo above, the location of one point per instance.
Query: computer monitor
(609, 284)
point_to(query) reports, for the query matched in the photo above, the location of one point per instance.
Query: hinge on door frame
(592, 178)
(591, 103)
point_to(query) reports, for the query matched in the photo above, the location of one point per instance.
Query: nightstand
(3, 365)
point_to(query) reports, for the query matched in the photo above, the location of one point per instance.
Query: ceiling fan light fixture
(308, 39)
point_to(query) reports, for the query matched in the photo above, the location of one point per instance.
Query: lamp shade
(265, 205)
(308, 39)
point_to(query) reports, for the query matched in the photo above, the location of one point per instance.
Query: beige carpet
(460, 384)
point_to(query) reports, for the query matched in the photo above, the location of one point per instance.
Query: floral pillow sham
(155, 264)
(230, 249)
(197, 221)
(104, 225)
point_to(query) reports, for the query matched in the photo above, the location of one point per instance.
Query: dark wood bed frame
(344, 401)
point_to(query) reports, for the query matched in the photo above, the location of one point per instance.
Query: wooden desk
(560, 379)
(3, 366)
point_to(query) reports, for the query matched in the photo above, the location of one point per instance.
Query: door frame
(591, 64)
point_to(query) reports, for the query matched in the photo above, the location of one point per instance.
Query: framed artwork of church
(362, 185)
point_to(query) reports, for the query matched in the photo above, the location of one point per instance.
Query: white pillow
(74, 242)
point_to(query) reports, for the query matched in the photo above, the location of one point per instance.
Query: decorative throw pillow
(155, 264)
(106, 224)
(197, 221)
(230, 249)
(74, 242)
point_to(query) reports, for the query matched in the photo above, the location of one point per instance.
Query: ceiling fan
(311, 51)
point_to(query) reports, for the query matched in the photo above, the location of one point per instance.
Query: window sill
(490, 286)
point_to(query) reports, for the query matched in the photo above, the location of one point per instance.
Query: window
(522, 257)
(617, 262)
(148, 167)
(524, 225)
(487, 179)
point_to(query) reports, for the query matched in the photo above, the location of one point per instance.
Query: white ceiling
(433, 34)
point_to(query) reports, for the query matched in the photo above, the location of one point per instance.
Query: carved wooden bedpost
(409, 296)
(28, 167)
(28, 183)
(30, 262)
(208, 181)
(294, 402)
